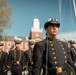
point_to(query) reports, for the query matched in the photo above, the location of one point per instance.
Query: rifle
(46, 54)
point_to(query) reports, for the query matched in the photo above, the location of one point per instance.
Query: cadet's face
(31, 46)
(73, 45)
(18, 45)
(52, 30)
(1, 47)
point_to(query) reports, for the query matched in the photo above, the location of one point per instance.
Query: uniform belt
(58, 70)
(16, 63)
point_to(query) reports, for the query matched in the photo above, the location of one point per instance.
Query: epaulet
(58, 40)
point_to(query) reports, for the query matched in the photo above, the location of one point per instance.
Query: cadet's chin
(54, 34)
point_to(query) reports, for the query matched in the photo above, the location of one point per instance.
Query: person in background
(3, 60)
(52, 54)
(73, 52)
(17, 59)
(29, 56)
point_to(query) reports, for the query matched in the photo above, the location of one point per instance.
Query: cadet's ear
(46, 29)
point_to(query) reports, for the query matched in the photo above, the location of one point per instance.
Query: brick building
(35, 34)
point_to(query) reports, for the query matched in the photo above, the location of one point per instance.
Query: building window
(26, 45)
(8, 44)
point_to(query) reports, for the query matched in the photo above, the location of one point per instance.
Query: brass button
(54, 57)
(52, 48)
(59, 70)
(64, 52)
(51, 44)
(65, 57)
(55, 62)
(53, 52)
(65, 61)
(63, 48)
(61, 45)
(56, 66)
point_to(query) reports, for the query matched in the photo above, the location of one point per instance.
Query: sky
(24, 12)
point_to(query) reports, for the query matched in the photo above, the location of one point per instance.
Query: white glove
(9, 72)
(26, 72)
(74, 64)
(23, 72)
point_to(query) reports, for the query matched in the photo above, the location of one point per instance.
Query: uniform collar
(31, 49)
(17, 48)
(0, 51)
(51, 38)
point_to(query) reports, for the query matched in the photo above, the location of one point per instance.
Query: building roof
(6, 37)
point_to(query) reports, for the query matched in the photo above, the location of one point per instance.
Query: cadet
(3, 60)
(73, 52)
(51, 54)
(16, 59)
(29, 56)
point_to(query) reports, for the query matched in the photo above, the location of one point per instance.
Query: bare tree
(5, 13)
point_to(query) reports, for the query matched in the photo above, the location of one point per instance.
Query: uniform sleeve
(10, 58)
(37, 59)
(25, 53)
(26, 57)
(6, 58)
(24, 62)
(73, 55)
(5, 61)
(69, 58)
(9, 62)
